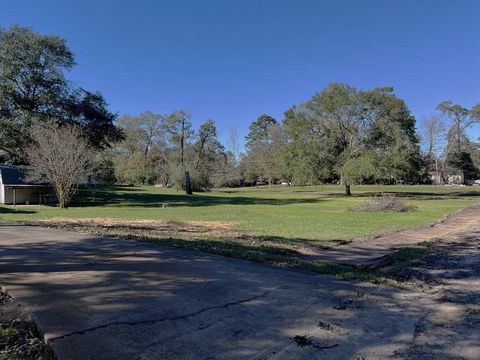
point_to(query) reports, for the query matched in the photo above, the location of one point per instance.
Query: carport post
(14, 196)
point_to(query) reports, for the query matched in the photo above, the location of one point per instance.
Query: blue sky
(234, 60)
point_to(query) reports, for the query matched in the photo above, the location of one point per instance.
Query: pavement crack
(153, 321)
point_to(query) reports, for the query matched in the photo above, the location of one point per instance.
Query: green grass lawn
(293, 213)
(270, 225)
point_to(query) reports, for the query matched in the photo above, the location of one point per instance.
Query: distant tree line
(342, 134)
(160, 149)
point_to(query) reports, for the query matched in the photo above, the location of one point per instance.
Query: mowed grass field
(312, 213)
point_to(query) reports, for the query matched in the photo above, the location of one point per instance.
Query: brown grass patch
(189, 228)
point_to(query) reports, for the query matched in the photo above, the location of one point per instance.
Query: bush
(385, 203)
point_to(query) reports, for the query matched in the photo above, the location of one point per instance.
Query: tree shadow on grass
(139, 198)
(423, 195)
(426, 195)
(11, 210)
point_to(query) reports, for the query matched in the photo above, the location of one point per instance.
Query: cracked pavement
(98, 298)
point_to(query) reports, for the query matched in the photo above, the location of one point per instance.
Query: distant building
(452, 178)
(14, 189)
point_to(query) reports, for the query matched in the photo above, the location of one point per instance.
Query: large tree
(141, 156)
(209, 158)
(33, 90)
(306, 157)
(263, 144)
(338, 113)
(460, 151)
(177, 127)
(460, 119)
(355, 134)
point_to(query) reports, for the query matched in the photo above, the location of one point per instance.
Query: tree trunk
(347, 189)
(188, 184)
(62, 203)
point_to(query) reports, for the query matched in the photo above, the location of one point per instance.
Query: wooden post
(14, 196)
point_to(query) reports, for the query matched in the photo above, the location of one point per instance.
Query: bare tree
(461, 119)
(433, 133)
(232, 143)
(61, 156)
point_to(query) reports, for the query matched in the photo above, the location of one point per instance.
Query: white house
(450, 178)
(14, 189)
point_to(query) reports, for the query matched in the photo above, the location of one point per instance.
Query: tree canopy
(33, 89)
(354, 135)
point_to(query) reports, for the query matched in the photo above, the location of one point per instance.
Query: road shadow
(127, 299)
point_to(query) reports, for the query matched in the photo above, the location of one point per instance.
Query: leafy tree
(178, 129)
(306, 158)
(33, 90)
(143, 145)
(392, 135)
(362, 168)
(210, 157)
(89, 111)
(263, 144)
(206, 140)
(103, 168)
(178, 132)
(349, 132)
(460, 151)
(463, 161)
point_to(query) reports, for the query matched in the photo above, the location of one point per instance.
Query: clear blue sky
(234, 60)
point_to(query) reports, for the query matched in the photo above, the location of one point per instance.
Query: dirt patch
(19, 338)
(448, 274)
(372, 251)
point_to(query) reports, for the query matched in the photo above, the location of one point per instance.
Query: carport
(14, 189)
(27, 194)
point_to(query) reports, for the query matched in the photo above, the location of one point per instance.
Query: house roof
(15, 175)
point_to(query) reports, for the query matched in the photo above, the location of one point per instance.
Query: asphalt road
(98, 298)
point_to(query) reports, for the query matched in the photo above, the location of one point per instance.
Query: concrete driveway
(98, 298)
